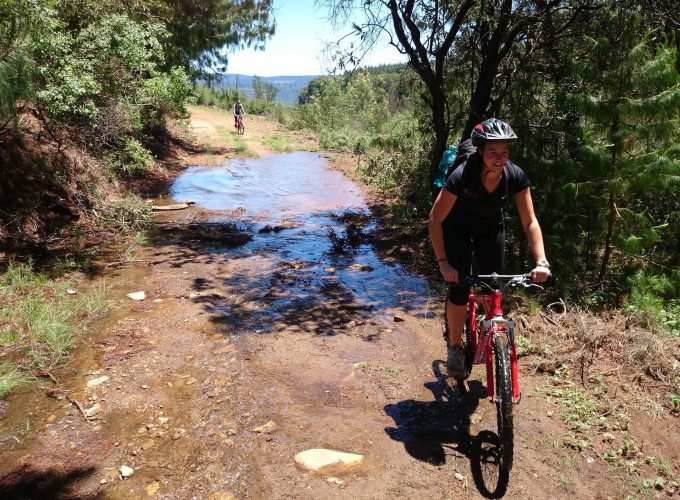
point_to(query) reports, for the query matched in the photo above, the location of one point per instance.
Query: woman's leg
(458, 246)
(455, 319)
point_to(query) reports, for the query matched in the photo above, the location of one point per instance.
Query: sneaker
(455, 362)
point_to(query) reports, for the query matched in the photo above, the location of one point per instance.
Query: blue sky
(302, 30)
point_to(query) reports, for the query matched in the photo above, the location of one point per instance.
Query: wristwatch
(543, 263)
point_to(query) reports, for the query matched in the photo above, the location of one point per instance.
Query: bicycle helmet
(492, 129)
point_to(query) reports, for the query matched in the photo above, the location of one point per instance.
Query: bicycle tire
(241, 129)
(503, 402)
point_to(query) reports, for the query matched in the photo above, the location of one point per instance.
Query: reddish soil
(191, 374)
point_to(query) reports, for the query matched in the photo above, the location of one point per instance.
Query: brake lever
(524, 283)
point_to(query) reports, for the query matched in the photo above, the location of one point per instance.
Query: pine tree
(630, 119)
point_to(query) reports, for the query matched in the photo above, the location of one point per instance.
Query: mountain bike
(490, 339)
(239, 125)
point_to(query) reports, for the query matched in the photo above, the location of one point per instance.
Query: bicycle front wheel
(241, 128)
(503, 401)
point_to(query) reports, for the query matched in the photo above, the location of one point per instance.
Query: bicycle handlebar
(512, 279)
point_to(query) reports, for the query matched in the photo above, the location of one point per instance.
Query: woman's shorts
(486, 245)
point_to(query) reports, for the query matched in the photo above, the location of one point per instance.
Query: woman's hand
(448, 271)
(540, 274)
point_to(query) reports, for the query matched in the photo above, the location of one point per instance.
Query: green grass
(234, 141)
(40, 320)
(280, 144)
(10, 378)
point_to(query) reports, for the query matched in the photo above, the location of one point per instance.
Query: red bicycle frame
(482, 340)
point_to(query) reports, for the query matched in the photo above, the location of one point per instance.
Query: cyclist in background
(467, 218)
(238, 111)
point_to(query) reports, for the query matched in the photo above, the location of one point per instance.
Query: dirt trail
(194, 369)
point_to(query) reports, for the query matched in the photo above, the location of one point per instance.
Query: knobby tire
(503, 402)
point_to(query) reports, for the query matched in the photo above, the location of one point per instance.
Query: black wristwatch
(543, 263)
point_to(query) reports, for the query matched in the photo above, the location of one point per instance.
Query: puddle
(307, 205)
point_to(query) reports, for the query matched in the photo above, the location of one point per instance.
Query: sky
(302, 30)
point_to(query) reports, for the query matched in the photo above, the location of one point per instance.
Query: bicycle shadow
(433, 430)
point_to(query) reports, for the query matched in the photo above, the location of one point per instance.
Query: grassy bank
(40, 321)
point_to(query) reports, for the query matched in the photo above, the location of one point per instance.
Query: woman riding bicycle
(238, 111)
(467, 218)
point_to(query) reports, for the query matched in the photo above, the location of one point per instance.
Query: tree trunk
(609, 237)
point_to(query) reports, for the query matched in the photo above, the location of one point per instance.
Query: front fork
(491, 328)
(502, 327)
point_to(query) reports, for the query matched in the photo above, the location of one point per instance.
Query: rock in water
(327, 461)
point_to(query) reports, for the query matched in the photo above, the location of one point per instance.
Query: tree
(202, 32)
(630, 118)
(264, 90)
(16, 66)
(433, 34)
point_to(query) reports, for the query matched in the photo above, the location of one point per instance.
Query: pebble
(97, 381)
(71, 292)
(137, 295)
(163, 420)
(223, 495)
(590, 460)
(92, 411)
(149, 443)
(152, 489)
(266, 428)
(126, 471)
(459, 476)
(327, 461)
(397, 319)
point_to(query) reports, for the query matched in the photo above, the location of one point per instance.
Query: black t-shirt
(477, 212)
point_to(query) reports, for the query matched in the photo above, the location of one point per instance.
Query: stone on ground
(137, 295)
(126, 471)
(97, 381)
(266, 428)
(327, 461)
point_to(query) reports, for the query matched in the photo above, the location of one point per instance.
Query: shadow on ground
(28, 482)
(434, 430)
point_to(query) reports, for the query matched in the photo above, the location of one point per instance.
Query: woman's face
(495, 155)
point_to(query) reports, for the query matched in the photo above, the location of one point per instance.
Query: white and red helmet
(492, 129)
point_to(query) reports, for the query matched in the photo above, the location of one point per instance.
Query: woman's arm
(525, 207)
(440, 210)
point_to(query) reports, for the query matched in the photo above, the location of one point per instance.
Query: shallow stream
(309, 206)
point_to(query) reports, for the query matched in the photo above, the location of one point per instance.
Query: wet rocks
(327, 461)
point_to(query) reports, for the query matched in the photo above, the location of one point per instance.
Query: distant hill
(289, 86)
